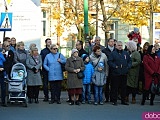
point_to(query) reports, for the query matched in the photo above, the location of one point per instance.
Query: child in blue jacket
(99, 80)
(88, 72)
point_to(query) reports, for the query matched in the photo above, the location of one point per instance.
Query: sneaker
(89, 102)
(114, 103)
(51, 102)
(95, 103)
(71, 103)
(58, 102)
(101, 103)
(83, 102)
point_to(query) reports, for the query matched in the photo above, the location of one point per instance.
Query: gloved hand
(156, 74)
(34, 69)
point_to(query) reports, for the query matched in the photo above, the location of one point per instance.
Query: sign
(156, 28)
(26, 21)
(6, 21)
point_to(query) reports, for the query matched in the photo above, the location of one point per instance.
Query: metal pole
(97, 18)
(6, 9)
(151, 23)
(85, 19)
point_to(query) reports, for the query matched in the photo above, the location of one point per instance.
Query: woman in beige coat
(74, 65)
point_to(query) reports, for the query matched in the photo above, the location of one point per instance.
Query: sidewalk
(64, 95)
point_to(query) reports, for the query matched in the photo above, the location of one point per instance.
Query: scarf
(36, 59)
(153, 55)
(110, 48)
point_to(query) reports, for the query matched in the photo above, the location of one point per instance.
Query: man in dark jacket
(119, 62)
(43, 54)
(79, 47)
(110, 48)
(9, 57)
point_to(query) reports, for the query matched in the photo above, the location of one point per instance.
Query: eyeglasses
(54, 48)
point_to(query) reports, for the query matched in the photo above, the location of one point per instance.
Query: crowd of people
(109, 70)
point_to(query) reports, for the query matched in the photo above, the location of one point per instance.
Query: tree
(72, 14)
(135, 13)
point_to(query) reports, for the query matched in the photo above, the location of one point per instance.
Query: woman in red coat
(151, 71)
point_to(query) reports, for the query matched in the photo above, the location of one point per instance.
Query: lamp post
(85, 19)
(151, 22)
(6, 9)
(96, 17)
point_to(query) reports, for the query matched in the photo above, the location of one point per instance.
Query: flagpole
(6, 9)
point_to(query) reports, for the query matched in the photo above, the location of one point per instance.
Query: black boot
(144, 97)
(30, 100)
(36, 100)
(152, 98)
(77, 102)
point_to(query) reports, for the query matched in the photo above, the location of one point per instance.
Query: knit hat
(101, 65)
(149, 49)
(74, 50)
(84, 56)
(136, 29)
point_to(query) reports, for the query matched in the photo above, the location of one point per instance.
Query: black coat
(9, 62)
(81, 52)
(107, 51)
(43, 54)
(120, 59)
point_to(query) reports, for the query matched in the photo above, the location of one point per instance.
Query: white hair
(131, 46)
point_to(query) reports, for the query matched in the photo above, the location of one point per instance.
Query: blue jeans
(3, 88)
(86, 91)
(98, 93)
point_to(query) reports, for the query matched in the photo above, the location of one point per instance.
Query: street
(63, 111)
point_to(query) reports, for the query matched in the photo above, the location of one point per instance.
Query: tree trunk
(107, 35)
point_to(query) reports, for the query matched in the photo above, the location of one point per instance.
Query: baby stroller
(17, 87)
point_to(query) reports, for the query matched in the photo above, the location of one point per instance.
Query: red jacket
(150, 66)
(132, 35)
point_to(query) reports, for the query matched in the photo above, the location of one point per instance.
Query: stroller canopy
(17, 67)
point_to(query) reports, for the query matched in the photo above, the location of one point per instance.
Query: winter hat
(84, 56)
(149, 49)
(101, 65)
(74, 50)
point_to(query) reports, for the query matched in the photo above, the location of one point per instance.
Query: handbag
(80, 75)
(34, 69)
(155, 88)
(62, 65)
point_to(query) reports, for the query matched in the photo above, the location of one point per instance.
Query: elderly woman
(33, 63)
(55, 74)
(132, 76)
(151, 64)
(20, 55)
(74, 65)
